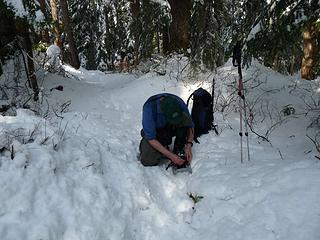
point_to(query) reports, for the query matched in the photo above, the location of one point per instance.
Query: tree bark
(7, 34)
(75, 62)
(56, 24)
(23, 30)
(179, 31)
(135, 11)
(44, 34)
(309, 51)
(219, 13)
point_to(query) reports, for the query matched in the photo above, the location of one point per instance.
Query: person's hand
(188, 152)
(177, 160)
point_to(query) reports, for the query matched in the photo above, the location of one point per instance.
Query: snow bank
(78, 177)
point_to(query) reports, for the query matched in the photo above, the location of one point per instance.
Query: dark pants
(150, 156)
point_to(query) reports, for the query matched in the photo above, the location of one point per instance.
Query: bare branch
(316, 144)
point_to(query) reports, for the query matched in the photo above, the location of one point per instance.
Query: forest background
(105, 35)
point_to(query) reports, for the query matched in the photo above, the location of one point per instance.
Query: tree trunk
(135, 11)
(219, 13)
(165, 38)
(56, 24)
(44, 34)
(23, 30)
(179, 31)
(108, 39)
(309, 51)
(7, 34)
(75, 62)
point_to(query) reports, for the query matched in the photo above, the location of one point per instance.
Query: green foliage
(208, 20)
(40, 47)
(5, 10)
(277, 48)
(30, 6)
(279, 43)
(152, 17)
(7, 32)
(147, 28)
(195, 198)
(87, 19)
(243, 16)
(104, 29)
(288, 110)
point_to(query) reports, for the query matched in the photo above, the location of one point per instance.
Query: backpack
(202, 112)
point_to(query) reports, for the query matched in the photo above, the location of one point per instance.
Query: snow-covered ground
(77, 177)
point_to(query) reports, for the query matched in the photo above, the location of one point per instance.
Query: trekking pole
(246, 123)
(214, 126)
(240, 131)
(242, 109)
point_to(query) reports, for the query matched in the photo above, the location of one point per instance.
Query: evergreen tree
(17, 31)
(117, 29)
(101, 30)
(86, 17)
(150, 21)
(208, 21)
(74, 58)
(110, 47)
(7, 31)
(278, 44)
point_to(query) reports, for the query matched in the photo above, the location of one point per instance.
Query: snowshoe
(183, 168)
(178, 169)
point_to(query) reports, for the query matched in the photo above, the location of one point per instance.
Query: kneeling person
(166, 116)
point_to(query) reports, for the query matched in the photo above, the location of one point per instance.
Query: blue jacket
(153, 118)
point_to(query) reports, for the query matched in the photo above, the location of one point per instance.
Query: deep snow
(78, 177)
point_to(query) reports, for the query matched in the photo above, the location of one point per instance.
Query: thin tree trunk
(135, 11)
(165, 39)
(108, 39)
(44, 34)
(218, 6)
(75, 62)
(23, 29)
(309, 51)
(56, 24)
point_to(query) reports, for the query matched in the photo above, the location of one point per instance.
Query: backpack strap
(189, 99)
